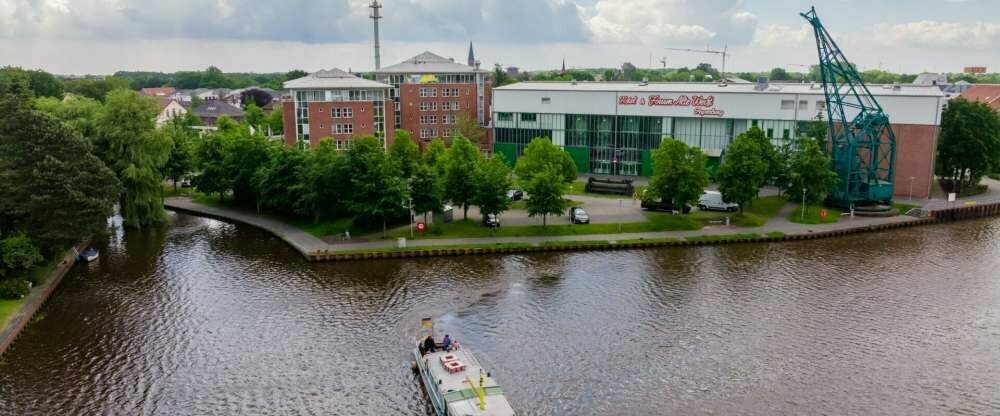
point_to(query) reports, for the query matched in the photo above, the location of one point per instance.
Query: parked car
(578, 216)
(515, 195)
(491, 220)
(650, 203)
(712, 201)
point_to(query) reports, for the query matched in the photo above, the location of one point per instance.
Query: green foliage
(137, 152)
(812, 215)
(14, 288)
(245, 153)
(427, 190)
(545, 193)
(969, 145)
(41, 83)
(181, 161)
(435, 156)
(492, 183)
(254, 116)
(377, 190)
(94, 88)
(404, 154)
(744, 168)
(500, 77)
(324, 191)
(80, 113)
(18, 255)
(210, 154)
(679, 173)
(461, 163)
(468, 127)
(541, 154)
(15, 91)
(275, 122)
(278, 182)
(809, 169)
(54, 189)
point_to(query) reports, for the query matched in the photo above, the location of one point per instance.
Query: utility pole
(376, 15)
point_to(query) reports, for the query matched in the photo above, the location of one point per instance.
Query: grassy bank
(472, 229)
(39, 275)
(757, 214)
(812, 215)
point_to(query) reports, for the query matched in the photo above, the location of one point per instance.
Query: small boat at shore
(456, 382)
(88, 255)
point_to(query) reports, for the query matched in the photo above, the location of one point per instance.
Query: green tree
(246, 153)
(469, 128)
(435, 156)
(80, 113)
(295, 74)
(181, 161)
(809, 169)
(779, 74)
(545, 190)
(278, 183)
(275, 122)
(53, 187)
(679, 173)
(460, 167)
(768, 154)
(377, 191)
(254, 116)
(500, 77)
(404, 154)
(18, 255)
(41, 83)
(539, 154)
(210, 155)
(969, 147)
(324, 191)
(137, 152)
(427, 190)
(819, 130)
(492, 183)
(629, 72)
(97, 89)
(743, 171)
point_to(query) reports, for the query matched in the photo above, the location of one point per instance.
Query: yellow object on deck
(480, 390)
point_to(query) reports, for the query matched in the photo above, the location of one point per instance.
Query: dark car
(665, 205)
(515, 195)
(578, 216)
(491, 220)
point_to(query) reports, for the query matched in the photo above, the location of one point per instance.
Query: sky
(104, 36)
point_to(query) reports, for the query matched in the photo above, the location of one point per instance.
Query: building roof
(428, 63)
(164, 101)
(216, 109)
(711, 88)
(928, 78)
(158, 92)
(332, 79)
(984, 93)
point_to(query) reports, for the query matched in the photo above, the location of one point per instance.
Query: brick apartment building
(336, 105)
(429, 92)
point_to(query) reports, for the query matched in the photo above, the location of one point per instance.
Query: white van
(712, 201)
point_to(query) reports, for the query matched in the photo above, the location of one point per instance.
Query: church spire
(472, 56)
(564, 65)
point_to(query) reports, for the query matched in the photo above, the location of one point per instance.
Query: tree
(629, 71)
(492, 183)
(767, 153)
(181, 160)
(80, 113)
(743, 171)
(137, 152)
(404, 154)
(435, 156)
(460, 166)
(469, 128)
(323, 191)
(18, 255)
(809, 169)
(41, 83)
(969, 147)
(545, 190)
(274, 122)
(295, 74)
(210, 154)
(779, 74)
(427, 190)
(254, 116)
(377, 191)
(54, 189)
(679, 173)
(245, 154)
(500, 77)
(97, 89)
(540, 154)
(277, 183)
(819, 130)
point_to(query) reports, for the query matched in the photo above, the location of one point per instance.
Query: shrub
(18, 255)
(14, 288)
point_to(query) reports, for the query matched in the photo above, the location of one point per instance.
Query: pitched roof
(216, 109)
(928, 78)
(164, 102)
(984, 93)
(332, 79)
(428, 63)
(158, 92)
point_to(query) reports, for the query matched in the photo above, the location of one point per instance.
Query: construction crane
(863, 144)
(724, 52)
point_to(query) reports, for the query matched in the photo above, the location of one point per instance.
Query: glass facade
(616, 144)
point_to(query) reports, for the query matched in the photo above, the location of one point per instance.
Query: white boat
(88, 255)
(456, 382)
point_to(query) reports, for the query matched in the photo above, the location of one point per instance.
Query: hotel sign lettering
(702, 105)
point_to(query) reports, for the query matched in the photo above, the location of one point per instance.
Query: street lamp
(803, 204)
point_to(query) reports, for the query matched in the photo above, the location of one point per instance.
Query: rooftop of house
(428, 63)
(984, 93)
(158, 92)
(333, 79)
(216, 109)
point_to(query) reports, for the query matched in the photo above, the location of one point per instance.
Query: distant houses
(212, 103)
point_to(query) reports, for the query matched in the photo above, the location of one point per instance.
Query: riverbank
(23, 310)
(780, 229)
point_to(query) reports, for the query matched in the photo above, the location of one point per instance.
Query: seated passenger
(446, 344)
(454, 345)
(428, 346)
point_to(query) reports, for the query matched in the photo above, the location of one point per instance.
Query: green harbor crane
(863, 144)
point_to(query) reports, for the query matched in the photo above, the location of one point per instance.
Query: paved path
(307, 244)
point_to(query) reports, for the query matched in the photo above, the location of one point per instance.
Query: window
(428, 119)
(448, 119)
(427, 133)
(342, 112)
(803, 105)
(341, 144)
(456, 106)
(546, 100)
(343, 129)
(786, 134)
(449, 133)
(529, 117)
(428, 92)
(449, 92)
(428, 106)
(505, 117)
(787, 104)
(821, 105)
(753, 123)
(770, 133)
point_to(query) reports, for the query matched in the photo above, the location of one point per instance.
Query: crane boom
(724, 52)
(863, 143)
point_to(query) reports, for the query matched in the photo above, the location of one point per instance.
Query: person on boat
(446, 343)
(428, 345)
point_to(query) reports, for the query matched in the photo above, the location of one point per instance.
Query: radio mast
(376, 15)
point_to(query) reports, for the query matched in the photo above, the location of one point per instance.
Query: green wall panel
(647, 163)
(581, 156)
(508, 150)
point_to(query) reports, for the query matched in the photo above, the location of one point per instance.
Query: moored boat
(456, 382)
(88, 255)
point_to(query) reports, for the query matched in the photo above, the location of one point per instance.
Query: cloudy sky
(103, 36)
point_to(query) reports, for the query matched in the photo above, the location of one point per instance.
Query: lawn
(7, 309)
(755, 215)
(40, 274)
(472, 229)
(812, 215)
(904, 208)
(441, 247)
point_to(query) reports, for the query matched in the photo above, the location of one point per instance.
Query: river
(204, 317)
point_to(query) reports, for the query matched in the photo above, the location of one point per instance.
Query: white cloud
(776, 36)
(677, 22)
(934, 34)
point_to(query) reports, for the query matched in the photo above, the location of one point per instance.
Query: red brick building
(336, 105)
(429, 92)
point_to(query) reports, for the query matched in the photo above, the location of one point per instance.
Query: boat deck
(458, 392)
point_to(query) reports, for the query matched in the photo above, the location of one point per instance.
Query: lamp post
(803, 204)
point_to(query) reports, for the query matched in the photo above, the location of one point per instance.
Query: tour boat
(456, 382)
(88, 255)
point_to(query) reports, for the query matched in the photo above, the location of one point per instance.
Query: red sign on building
(702, 105)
